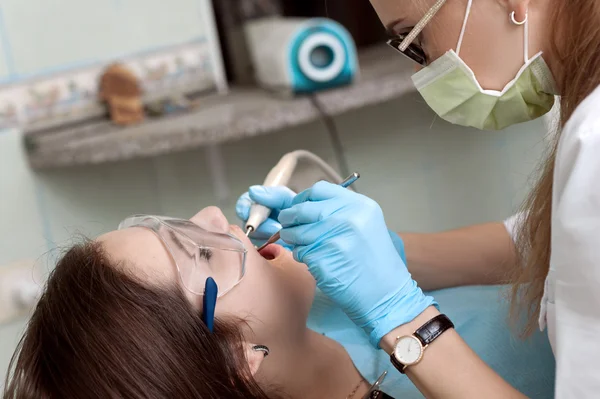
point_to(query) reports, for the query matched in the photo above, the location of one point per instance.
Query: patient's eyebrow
(203, 253)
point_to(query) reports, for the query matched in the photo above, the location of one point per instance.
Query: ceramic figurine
(121, 91)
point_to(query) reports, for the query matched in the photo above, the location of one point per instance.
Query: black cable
(336, 142)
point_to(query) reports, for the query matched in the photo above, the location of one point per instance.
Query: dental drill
(280, 176)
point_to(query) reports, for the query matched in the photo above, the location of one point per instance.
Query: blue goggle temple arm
(209, 303)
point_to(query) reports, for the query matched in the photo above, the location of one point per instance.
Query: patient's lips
(271, 251)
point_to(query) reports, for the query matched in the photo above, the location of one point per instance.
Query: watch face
(408, 350)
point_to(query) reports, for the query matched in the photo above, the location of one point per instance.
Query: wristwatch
(409, 349)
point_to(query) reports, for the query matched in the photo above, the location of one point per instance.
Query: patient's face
(274, 297)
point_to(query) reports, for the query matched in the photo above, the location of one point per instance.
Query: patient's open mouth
(271, 251)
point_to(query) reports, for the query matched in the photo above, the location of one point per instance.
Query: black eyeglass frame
(404, 43)
(414, 52)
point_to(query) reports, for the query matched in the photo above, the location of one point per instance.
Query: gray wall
(426, 174)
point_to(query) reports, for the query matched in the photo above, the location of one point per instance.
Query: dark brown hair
(97, 332)
(576, 48)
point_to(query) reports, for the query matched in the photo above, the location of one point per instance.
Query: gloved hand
(275, 198)
(280, 198)
(342, 237)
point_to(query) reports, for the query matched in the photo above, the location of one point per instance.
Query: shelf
(240, 114)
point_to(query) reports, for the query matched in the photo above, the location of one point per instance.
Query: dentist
(486, 64)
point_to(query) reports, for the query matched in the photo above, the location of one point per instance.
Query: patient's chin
(297, 283)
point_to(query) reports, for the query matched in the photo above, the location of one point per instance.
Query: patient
(115, 321)
(120, 317)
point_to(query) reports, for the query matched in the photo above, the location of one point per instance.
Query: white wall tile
(92, 200)
(21, 224)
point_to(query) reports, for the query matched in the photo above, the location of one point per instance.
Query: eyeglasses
(197, 253)
(404, 42)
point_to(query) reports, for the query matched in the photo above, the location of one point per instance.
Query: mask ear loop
(464, 27)
(525, 22)
(526, 39)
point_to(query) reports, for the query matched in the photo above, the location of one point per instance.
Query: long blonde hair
(576, 47)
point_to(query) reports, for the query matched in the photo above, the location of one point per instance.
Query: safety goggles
(197, 253)
(405, 44)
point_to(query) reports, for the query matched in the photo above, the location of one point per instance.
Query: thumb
(242, 206)
(279, 197)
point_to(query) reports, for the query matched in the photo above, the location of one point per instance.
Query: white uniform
(571, 303)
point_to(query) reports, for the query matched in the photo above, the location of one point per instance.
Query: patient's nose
(211, 219)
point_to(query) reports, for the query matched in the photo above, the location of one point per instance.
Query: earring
(514, 20)
(261, 348)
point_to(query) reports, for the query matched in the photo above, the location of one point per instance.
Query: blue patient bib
(480, 316)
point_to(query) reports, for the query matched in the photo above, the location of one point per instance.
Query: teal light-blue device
(322, 56)
(299, 56)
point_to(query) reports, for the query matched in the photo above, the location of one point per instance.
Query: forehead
(140, 251)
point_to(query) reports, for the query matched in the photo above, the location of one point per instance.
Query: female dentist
(541, 48)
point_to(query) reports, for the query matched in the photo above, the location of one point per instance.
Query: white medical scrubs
(570, 307)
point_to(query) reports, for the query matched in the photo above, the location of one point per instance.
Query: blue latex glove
(275, 198)
(279, 198)
(342, 237)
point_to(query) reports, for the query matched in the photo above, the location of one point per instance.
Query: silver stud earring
(514, 20)
(261, 348)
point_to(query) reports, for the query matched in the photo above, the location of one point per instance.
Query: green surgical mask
(451, 89)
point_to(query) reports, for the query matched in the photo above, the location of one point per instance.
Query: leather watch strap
(379, 395)
(399, 366)
(429, 331)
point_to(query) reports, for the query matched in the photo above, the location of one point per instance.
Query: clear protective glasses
(197, 253)
(405, 44)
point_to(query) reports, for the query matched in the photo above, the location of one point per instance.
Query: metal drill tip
(350, 180)
(250, 230)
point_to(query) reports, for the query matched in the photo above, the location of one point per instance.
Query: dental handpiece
(278, 176)
(346, 183)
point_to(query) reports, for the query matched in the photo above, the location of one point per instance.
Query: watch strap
(435, 327)
(376, 394)
(399, 366)
(427, 333)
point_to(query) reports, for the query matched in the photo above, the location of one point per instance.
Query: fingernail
(261, 348)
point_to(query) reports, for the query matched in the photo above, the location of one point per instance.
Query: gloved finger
(307, 213)
(284, 244)
(279, 197)
(257, 242)
(304, 234)
(242, 206)
(299, 252)
(320, 191)
(266, 229)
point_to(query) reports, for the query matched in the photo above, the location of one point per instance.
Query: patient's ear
(255, 355)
